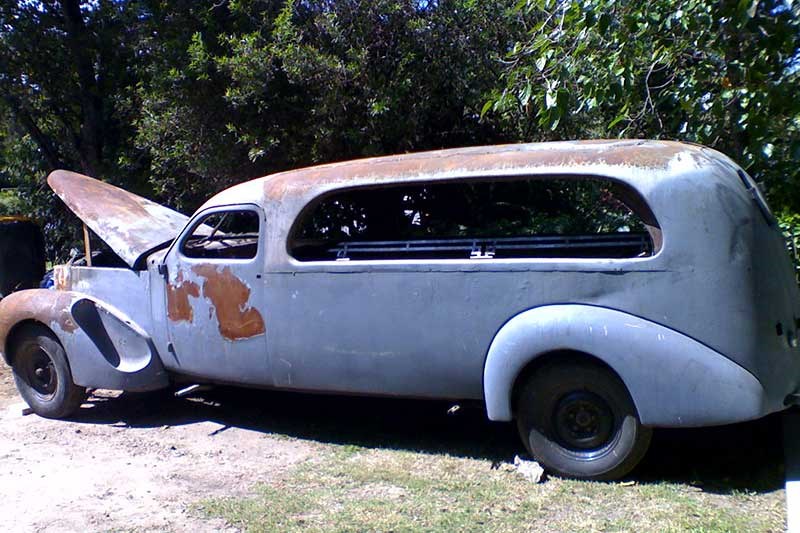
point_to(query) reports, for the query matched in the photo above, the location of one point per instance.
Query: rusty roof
(601, 156)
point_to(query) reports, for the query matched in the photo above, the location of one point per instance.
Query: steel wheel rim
(40, 373)
(583, 422)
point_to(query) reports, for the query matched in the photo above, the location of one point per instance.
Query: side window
(224, 235)
(522, 218)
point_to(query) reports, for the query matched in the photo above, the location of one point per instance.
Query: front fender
(673, 379)
(104, 347)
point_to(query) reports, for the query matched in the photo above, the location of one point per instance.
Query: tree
(64, 70)
(264, 86)
(65, 86)
(724, 74)
(180, 99)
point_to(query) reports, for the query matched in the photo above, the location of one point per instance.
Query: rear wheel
(578, 420)
(42, 374)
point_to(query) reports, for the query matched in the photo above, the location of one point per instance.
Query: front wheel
(42, 374)
(578, 420)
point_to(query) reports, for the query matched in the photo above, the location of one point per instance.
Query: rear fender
(673, 379)
(104, 347)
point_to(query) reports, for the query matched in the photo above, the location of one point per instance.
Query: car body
(691, 320)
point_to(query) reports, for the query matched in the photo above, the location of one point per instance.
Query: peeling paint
(372, 330)
(66, 322)
(179, 308)
(294, 188)
(489, 160)
(129, 224)
(45, 306)
(230, 296)
(61, 278)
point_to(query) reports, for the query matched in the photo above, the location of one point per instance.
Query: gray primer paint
(673, 379)
(692, 331)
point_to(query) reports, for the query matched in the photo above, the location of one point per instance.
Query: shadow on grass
(744, 457)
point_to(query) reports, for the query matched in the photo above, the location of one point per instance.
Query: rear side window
(224, 235)
(526, 218)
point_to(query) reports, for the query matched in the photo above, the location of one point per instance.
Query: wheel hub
(583, 421)
(42, 373)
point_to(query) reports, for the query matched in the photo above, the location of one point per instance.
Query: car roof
(612, 158)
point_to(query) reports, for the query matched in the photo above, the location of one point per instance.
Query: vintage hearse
(590, 291)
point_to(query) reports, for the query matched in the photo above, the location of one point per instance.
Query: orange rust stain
(46, 306)
(66, 323)
(98, 199)
(61, 277)
(178, 306)
(409, 167)
(229, 296)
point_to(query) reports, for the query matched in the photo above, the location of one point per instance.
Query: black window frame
(201, 217)
(486, 248)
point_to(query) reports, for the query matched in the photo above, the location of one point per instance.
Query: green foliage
(790, 226)
(259, 87)
(723, 74)
(9, 202)
(65, 101)
(177, 100)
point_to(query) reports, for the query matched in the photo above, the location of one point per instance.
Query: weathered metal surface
(129, 224)
(104, 347)
(40, 305)
(179, 307)
(618, 158)
(644, 155)
(61, 278)
(705, 388)
(121, 288)
(230, 296)
(214, 320)
(700, 314)
(423, 328)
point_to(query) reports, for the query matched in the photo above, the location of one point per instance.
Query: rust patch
(61, 278)
(424, 165)
(178, 306)
(65, 321)
(45, 306)
(229, 296)
(129, 224)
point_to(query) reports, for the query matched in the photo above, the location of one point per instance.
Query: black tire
(577, 419)
(42, 374)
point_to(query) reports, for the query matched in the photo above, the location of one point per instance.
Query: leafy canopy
(177, 100)
(724, 74)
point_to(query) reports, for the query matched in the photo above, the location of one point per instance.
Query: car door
(214, 295)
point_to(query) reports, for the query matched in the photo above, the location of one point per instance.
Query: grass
(350, 489)
(391, 465)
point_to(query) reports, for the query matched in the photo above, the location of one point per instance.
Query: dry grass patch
(350, 489)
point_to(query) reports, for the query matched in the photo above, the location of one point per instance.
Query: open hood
(131, 225)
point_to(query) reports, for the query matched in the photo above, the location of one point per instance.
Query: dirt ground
(128, 462)
(145, 462)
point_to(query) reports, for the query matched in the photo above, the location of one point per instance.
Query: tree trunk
(82, 47)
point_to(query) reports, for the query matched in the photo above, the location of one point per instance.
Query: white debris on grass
(530, 470)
